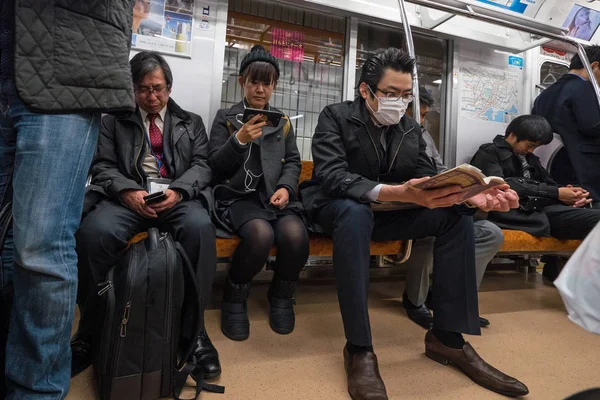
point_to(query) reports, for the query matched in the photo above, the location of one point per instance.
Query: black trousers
(104, 233)
(571, 223)
(352, 225)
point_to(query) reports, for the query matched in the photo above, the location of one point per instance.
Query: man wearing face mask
(357, 147)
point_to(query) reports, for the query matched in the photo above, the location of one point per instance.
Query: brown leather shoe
(364, 381)
(474, 367)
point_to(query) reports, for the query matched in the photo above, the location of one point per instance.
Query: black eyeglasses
(391, 96)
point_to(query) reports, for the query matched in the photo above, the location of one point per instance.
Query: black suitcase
(151, 317)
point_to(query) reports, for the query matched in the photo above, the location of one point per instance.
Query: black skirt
(251, 207)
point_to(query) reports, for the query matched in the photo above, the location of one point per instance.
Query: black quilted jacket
(73, 55)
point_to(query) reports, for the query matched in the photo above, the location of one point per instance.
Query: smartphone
(155, 198)
(272, 118)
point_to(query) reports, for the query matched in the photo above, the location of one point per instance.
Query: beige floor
(530, 337)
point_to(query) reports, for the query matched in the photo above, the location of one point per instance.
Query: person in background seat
(357, 146)
(257, 168)
(546, 208)
(159, 143)
(417, 296)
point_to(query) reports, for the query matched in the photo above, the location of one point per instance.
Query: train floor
(529, 337)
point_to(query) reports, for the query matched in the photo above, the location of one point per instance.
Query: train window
(310, 49)
(550, 72)
(430, 54)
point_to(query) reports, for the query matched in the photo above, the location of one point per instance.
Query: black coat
(571, 107)
(498, 159)
(279, 159)
(122, 145)
(73, 55)
(346, 159)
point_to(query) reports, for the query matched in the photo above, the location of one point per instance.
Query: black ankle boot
(234, 311)
(281, 299)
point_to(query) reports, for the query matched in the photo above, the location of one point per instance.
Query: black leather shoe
(484, 323)
(206, 356)
(82, 355)
(420, 315)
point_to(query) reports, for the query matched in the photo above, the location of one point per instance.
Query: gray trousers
(488, 241)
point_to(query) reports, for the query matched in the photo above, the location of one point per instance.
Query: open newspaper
(469, 178)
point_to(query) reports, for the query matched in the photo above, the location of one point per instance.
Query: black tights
(258, 236)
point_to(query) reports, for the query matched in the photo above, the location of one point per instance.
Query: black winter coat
(279, 160)
(347, 161)
(571, 107)
(122, 145)
(73, 55)
(537, 192)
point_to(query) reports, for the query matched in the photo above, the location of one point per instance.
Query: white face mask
(389, 112)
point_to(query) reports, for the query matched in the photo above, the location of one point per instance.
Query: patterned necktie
(525, 167)
(156, 141)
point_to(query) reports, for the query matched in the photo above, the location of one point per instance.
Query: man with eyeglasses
(368, 151)
(158, 148)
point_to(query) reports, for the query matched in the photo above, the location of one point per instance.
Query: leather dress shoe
(206, 356)
(419, 315)
(483, 322)
(82, 355)
(364, 380)
(474, 367)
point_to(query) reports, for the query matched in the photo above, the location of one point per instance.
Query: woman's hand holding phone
(251, 130)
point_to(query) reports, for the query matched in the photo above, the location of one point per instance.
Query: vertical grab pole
(411, 51)
(588, 68)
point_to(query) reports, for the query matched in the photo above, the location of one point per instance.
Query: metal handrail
(470, 13)
(411, 52)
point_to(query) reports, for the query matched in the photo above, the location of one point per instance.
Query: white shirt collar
(162, 113)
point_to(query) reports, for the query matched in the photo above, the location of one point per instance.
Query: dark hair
(259, 66)
(531, 127)
(145, 62)
(425, 98)
(593, 54)
(261, 71)
(375, 67)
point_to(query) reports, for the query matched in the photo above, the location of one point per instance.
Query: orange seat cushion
(522, 242)
(320, 246)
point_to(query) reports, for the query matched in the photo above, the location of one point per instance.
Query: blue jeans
(49, 157)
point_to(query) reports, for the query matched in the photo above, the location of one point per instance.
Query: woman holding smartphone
(257, 168)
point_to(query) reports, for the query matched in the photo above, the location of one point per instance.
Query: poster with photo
(582, 22)
(163, 25)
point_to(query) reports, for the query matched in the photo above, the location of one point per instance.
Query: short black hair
(145, 62)
(425, 98)
(534, 128)
(375, 67)
(592, 53)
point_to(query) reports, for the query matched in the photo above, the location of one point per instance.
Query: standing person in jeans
(417, 297)
(53, 89)
(257, 168)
